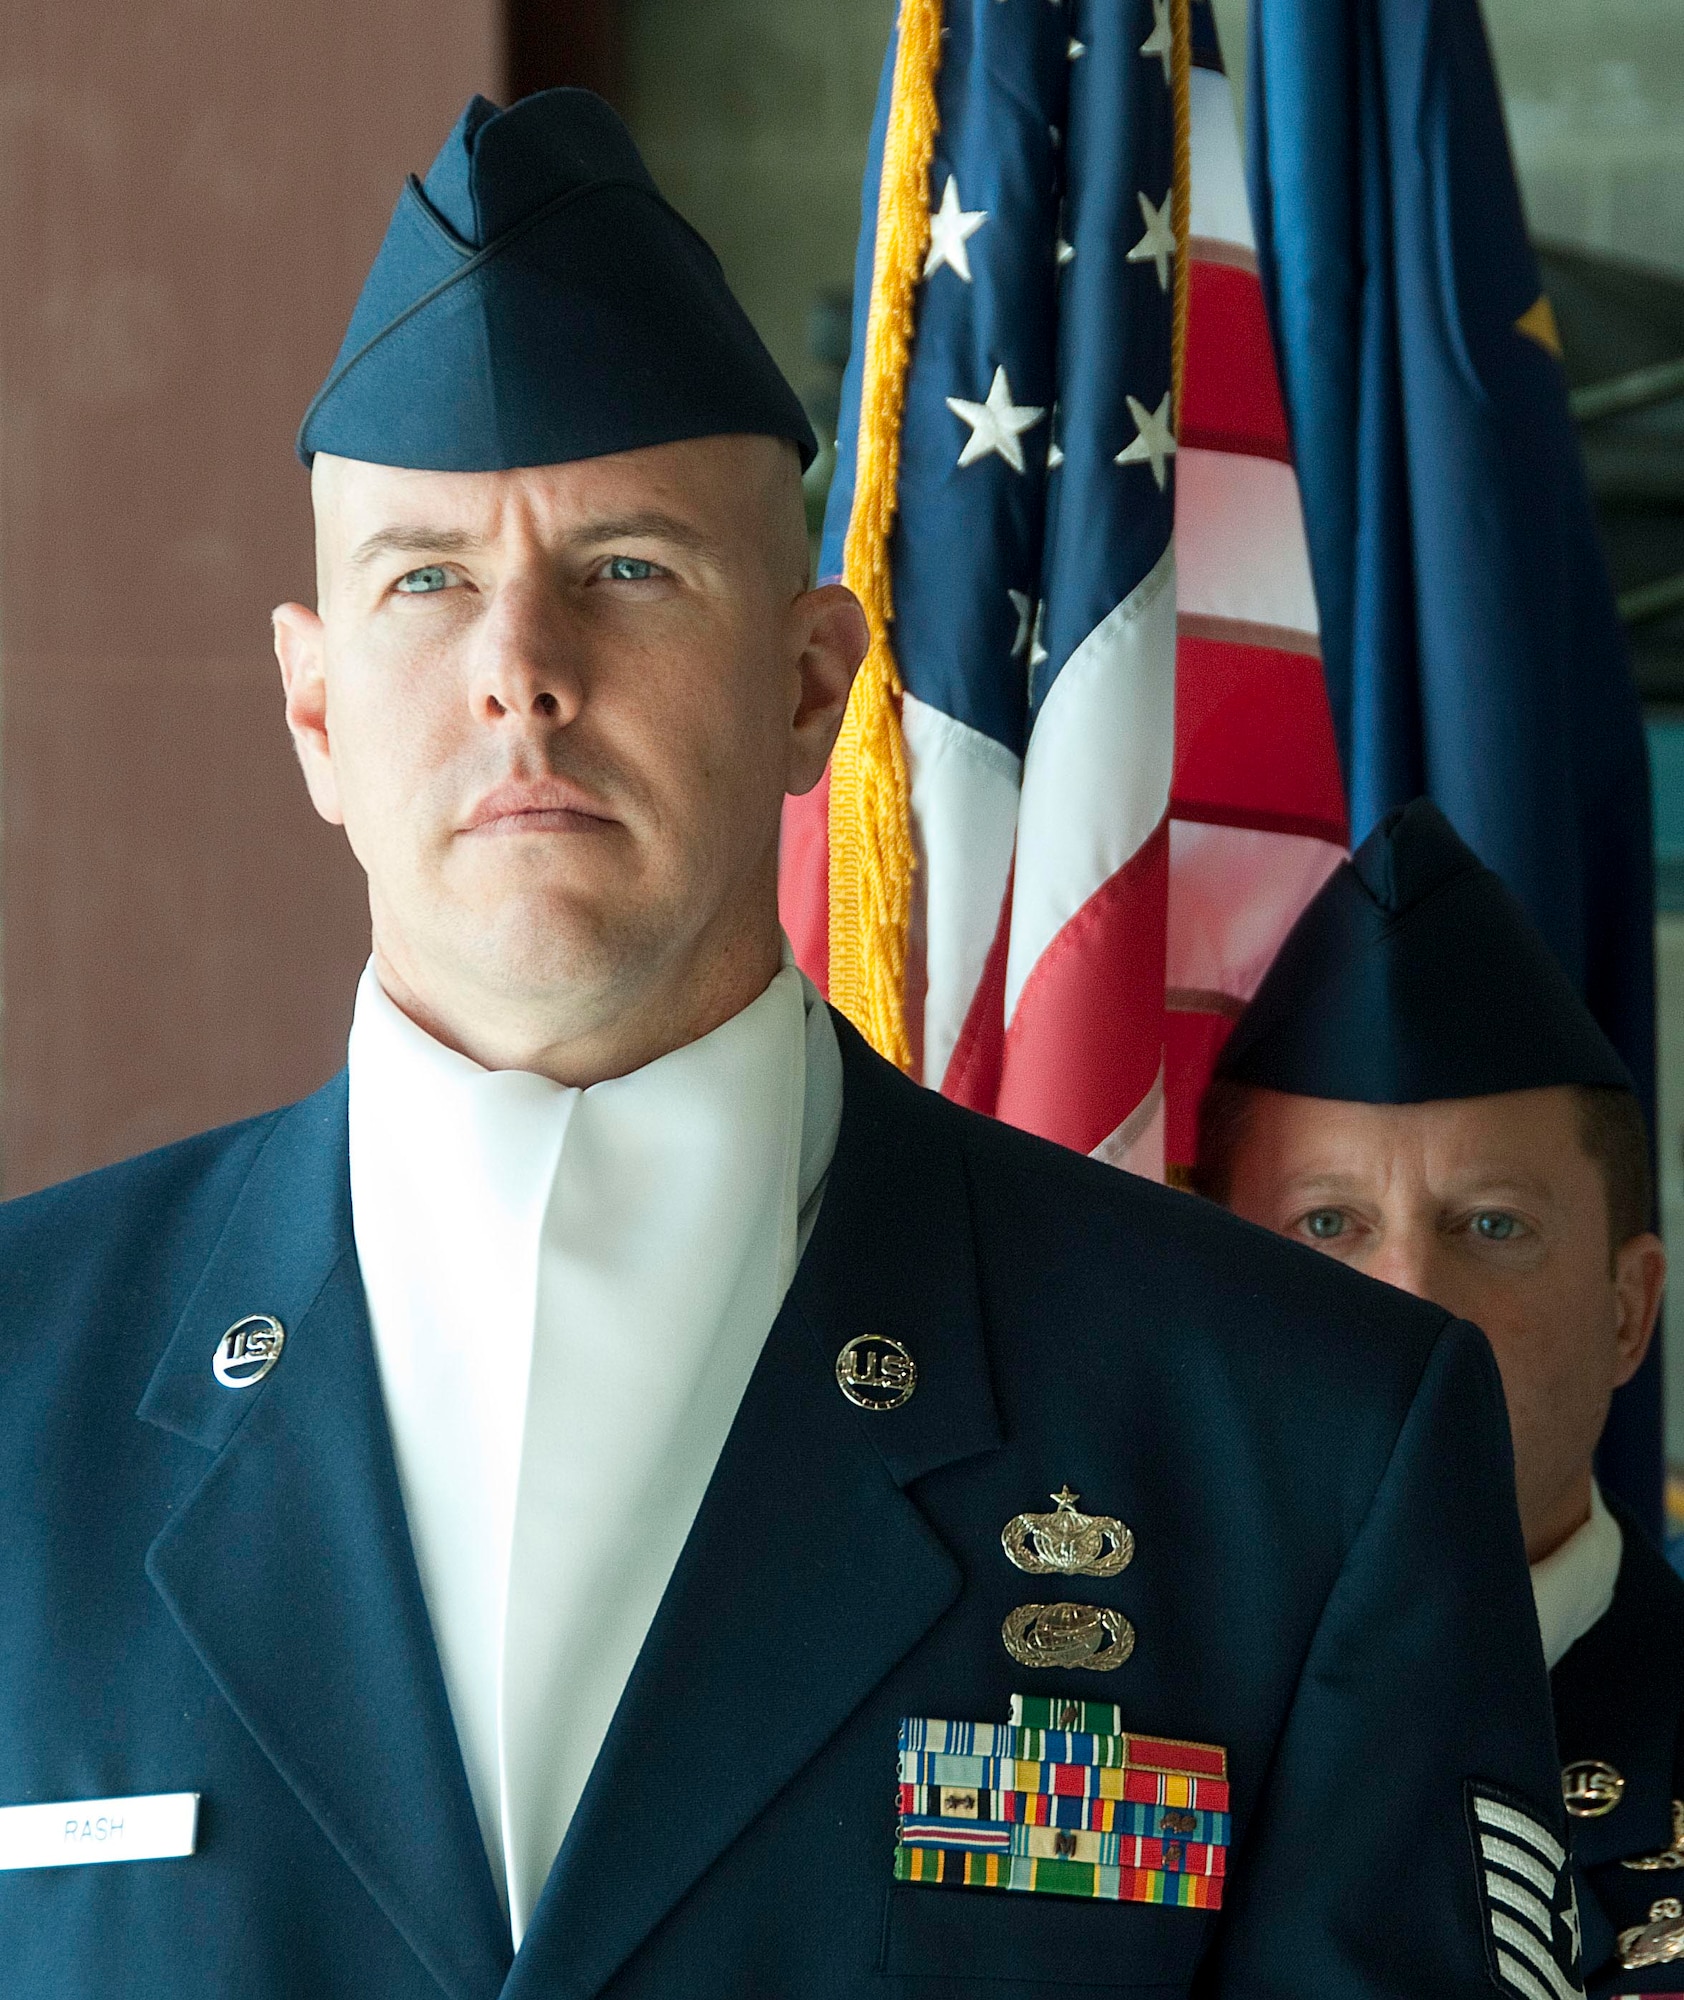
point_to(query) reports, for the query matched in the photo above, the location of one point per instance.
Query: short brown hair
(1224, 1114)
(1612, 1132)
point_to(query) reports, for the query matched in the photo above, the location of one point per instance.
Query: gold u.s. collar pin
(1067, 1542)
(1590, 1788)
(876, 1373)
(248, 1350)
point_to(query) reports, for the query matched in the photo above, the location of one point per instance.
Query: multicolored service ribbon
(1062, 1801)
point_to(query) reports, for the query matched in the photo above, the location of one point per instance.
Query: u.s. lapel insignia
(1591, 1788)
(876, 1373)
(1037, 1805)
(248, 1351)
(1066, 1542)
(1658, 1942)
(1068, 1635)
(1526, 1892)
(1669, 1857)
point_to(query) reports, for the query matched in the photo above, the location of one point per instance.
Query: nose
(525, 662)
(1406, 1258)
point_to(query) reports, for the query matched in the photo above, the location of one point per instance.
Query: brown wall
(193, 189)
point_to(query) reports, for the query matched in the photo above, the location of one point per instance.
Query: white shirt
(1574, 1586)
(568, 1291)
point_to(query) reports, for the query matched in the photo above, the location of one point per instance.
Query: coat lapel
(1617, 1703)
(805, 1548)
(289, 1568)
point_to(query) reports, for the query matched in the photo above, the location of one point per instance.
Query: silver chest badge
(1658, 1942)
(1067, 1543)
(1068, 1635)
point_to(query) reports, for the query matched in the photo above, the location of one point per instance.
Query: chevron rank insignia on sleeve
(1062, 1801)
(1526, 1893)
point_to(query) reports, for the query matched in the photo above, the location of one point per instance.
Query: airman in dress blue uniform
(1417, 1091)
(1075, 1590)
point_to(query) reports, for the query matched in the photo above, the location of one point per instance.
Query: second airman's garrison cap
(1415, 975)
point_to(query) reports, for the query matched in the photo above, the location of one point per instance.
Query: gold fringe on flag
(870, 815)
(1181, 73)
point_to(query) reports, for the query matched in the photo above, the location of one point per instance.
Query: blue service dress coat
(1619, 1705)
(213, 1590)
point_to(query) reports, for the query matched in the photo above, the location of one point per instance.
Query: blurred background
(193, 191)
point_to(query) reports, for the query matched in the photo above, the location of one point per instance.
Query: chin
(563, 947)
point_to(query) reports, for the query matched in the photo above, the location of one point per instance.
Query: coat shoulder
(133, 1194)
(1142, 1342)
(1651, 1590)
(1209, 1274)
(123, 1245)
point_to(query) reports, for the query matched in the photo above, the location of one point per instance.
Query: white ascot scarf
(568, 1291)
(1574, 1585)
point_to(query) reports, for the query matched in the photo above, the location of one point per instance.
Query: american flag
(1121, 773)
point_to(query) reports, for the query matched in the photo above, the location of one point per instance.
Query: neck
(587, 1043)
(1547, 1528)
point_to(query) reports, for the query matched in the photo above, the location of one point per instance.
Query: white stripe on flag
(1096, 778)
(1220, 208)
(1239, 540)
(1137, 1145)
(1234, 893)
(964, 817)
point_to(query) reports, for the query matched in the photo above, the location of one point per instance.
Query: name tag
(155, 1827)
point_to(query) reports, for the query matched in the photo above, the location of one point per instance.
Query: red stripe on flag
(973, 1069)
(1084, 1045)
(1231, 398)
(804, 880)
(1254, 740)
(1192, 1042)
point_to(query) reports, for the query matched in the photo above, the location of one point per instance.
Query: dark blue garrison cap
(1415, 974)
(536, 301)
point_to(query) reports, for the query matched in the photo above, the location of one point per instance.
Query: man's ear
(301, 649)
(1639, 1281)
(833, 637)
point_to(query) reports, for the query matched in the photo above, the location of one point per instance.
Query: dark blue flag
(1469, 636)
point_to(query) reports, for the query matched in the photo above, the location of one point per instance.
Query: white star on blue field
(1037, 450)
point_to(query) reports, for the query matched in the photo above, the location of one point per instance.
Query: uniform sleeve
(1409, 1837)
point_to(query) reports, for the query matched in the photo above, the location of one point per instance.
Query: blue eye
(1491, 1225)
(629, 569)
(425, 581)
(1321, 1225)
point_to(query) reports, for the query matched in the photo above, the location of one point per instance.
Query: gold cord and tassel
(870, 810)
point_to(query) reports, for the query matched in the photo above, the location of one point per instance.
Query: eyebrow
(1333, 1186)
(1491, 1184)
(410, 541)
(418, 538)
(652, 522)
